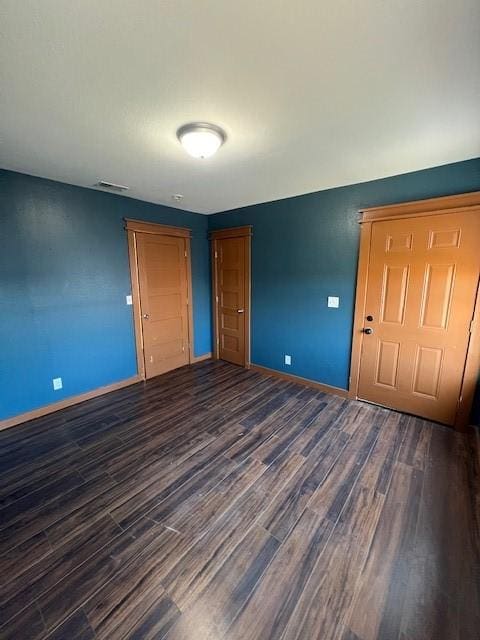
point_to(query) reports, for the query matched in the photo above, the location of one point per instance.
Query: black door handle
(368, 331)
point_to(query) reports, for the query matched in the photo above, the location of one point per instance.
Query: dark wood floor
(218, 503)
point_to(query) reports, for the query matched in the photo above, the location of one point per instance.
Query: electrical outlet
(57, 384)
(288, 359)
(128, 299)
(333, 301)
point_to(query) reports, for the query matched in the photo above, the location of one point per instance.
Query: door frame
(433, 206)
(220, 234)
(133, 227)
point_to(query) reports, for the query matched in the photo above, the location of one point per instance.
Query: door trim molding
(233, 232)
(471, 371)
(431, 207)
(464, 202)
(137, 318)
(159, 229)
(359, 313)
(133, 227)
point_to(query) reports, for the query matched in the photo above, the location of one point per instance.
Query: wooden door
(163, 289)
(421, 288)
(231, 264)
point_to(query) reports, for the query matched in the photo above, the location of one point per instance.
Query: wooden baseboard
(205, 356)
(67, 402)
(326, 388)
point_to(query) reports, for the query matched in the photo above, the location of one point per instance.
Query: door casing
(133, 227)
(235, 232)
(433, 206)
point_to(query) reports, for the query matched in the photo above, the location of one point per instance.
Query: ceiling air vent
(111, 186)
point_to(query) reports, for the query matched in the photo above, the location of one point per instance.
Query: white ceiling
(312, 93)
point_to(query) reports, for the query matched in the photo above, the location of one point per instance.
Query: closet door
(231, 278)
(163, 285)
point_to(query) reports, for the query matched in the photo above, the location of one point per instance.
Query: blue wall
(305, 249)
(64, 276)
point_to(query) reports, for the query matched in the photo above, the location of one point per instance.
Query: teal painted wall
(306, 248)
(64, 275)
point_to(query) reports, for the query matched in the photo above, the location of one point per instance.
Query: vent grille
(111, 186)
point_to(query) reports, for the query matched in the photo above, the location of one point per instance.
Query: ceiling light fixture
(201, 140)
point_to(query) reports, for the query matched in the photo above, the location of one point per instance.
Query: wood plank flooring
(218, 503)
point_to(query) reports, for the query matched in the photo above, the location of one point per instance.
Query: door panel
(422, 281)
(426, 371)
(394, 290)
(437, 294)
(163, 299)
(231, 275)
(387, 364)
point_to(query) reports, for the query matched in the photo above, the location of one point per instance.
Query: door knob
(240, 310)
(146, 316)
(368, 331)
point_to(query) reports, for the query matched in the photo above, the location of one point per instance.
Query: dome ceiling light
(201, 140)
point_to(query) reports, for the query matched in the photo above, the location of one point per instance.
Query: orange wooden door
(162, 276)
(231, 256)
(422, 282)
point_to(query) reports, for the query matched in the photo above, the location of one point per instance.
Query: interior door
(231, 277)
(163, 284)
(421, 287)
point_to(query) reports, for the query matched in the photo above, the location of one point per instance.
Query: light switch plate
(288, 359)
(333, 302)
(128, 299)
(57, 384)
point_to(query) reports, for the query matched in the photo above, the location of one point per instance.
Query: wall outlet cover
(333, 301)
(129, 299)
(288, 359)
(57, 384)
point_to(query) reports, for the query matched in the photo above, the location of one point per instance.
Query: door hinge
(185, 253)
(471, 326)
(216, 298)
(187, 302)
(215, 255)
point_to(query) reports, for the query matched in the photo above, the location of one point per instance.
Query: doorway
(231, 294)
(414, 333)
(161, 290)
